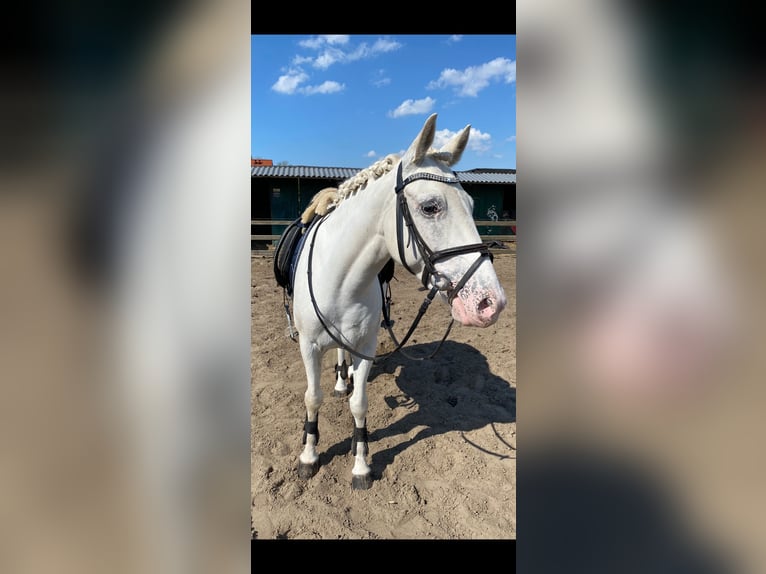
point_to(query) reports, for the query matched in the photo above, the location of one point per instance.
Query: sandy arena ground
(442, 431)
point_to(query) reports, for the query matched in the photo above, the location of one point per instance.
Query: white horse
(411, 209)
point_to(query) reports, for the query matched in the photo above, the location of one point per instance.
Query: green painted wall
(485, 197)
(284, 201)
(288, 197)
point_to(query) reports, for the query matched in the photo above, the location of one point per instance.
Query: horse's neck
(352, 238)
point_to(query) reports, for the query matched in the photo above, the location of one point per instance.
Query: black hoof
(361, 482)
(308, 470)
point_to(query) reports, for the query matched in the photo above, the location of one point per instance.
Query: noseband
(431, 257)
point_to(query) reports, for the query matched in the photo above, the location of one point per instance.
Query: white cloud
(319, 41)
(472, 80)
(441, 137)
(328, 58)
(289, 82)
(336, 38)
(312, 43)
(371, 153)
(328, 87)
(478, 141)
(331, 53)
(511, 138)
(455, 38)
(410, 107)
(380, 79)
(383, 45)
(298, 60)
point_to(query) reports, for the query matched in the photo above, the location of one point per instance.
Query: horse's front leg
(361, 472)
(308, 462)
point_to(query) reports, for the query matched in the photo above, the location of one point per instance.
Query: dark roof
(491, 170)
(480, 175)
(306, 171)
(494, 176)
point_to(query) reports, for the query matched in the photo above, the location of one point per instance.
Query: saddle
(286, 254)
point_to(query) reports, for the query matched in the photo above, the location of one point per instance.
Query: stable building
(282, 192)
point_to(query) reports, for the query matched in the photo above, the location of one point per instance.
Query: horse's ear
(457, 144)
(421, 144)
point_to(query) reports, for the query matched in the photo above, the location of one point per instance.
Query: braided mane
(361, 179)
(376, 170)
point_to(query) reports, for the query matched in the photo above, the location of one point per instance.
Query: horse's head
(441, 213)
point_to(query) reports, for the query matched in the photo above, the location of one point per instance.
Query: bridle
(429, 256)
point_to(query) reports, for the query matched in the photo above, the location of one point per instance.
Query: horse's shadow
(453, 391)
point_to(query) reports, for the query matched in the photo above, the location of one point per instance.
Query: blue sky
(347, 101)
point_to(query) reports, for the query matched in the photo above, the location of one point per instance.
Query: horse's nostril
(484, 304)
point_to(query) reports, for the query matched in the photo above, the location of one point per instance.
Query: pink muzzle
(478, 307)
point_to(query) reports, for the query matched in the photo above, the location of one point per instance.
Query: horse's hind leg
(350, 369)
(343, 374)
(308, 462)
(361, 473)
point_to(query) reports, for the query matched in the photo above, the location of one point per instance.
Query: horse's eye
(430, 208)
